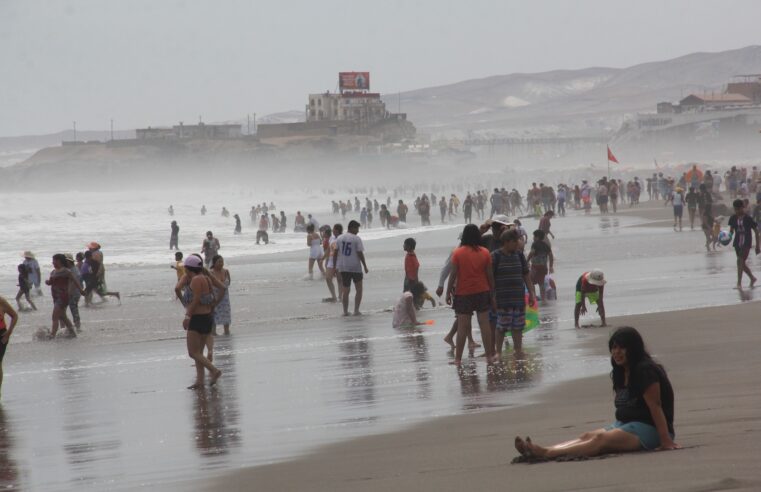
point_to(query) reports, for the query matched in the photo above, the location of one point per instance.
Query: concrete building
(713, 101)
(182, 131)
(360, 107)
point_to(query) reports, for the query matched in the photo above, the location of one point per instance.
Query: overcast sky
(155, 62)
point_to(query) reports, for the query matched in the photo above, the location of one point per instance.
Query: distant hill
(569, 102)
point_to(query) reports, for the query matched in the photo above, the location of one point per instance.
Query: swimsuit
(315, 250)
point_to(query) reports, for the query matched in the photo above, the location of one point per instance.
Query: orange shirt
(472, 265)
(411, 266)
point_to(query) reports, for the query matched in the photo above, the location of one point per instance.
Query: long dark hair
(627, 338)
(471, 236)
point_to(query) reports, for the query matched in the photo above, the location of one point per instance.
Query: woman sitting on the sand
(644, 407)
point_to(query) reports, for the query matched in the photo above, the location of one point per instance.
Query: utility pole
(75, 132)
(254, 122)
(248, 124)
(112, 129)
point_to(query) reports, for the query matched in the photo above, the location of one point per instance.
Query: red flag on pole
(611, 157)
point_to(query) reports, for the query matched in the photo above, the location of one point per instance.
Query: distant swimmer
(174, 238)
(225, 212)
(299, 224)
(6, 330)
(171, 210)
(199, 319)
(203, 209)
(238, 227)
(275, 223)
(283, 221)
(590, 286)
(72, 214)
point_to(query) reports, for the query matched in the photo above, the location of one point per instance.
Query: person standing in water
(203, 209)
(283, 221)
(315, 250)
(743, 228)
(349, 259)
(261, 234)
(74, 290)
(33, 271)
(209, 248)
(6, 330)
(199, 320)
(330, 266)
(171, 210)
(222, 311)
(24, 286)
(238, 227)
(590, 286)
(174, 238)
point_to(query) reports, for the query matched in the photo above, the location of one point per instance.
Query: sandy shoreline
(711, 356)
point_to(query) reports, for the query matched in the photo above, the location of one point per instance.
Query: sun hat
(28, 254)
(93, 245)
(193, 261)
(501, 219)
(596, 277)
(69, 257)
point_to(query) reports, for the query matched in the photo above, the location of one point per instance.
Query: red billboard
(354, 81)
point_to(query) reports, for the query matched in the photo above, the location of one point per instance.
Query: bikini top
(207, 299)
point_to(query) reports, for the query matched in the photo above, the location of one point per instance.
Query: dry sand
(712, 357)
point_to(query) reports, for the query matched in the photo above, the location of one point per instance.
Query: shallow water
(109, 409)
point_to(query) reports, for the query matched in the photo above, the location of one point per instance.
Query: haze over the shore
(146, 63)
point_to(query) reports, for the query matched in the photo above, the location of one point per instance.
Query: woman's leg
(517, 336)
(208, 342)
(311, 267)
(486, 334)
(319, 265)
(462, 329)
(195, 343)
(612, 441)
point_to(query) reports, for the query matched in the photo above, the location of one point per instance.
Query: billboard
(354, 81)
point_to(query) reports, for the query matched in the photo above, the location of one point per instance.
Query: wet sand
(711, 356)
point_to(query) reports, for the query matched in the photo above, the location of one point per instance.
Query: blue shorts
(648, 435)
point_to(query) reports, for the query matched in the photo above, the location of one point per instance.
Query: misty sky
(155, 62)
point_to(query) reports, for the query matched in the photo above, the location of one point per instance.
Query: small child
(550, 289)
(716, 229)
(411, 263)
(24, 287)
(178, 265)
(405, 310)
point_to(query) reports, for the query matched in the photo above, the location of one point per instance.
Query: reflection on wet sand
(358, 372)
(215, 409)
(414, 342)
(9, 472)
(91, 438)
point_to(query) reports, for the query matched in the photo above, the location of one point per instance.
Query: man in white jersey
(330, 266)
(349, 259)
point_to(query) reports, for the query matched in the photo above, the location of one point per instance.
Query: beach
(711, 356)
(109, 410)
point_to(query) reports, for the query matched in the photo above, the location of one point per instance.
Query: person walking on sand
(590, 286)
(644, 401)
(209, 248)
(6, 330)
(677, 200)
(691, 198)
(330, 266)
(511, 280)
(24, 286)
(222, 311)
(199, 319)
(238, 226)
(349, 259)
(99, 272)
(742, 227)
(174, 237)
(316, 253)
(545, 224)
(60, 282)
(470, 287)
(75, 288)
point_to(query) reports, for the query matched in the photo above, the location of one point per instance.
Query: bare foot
(449, 341)
(195, 386)
(456, 362)
(346, 313)
(215, 377)
(520, 446)
(473, 345)
(535, 449)
(357, 313)
(330, 299)
(752, 282)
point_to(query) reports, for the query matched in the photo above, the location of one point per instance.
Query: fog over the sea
(154, 63)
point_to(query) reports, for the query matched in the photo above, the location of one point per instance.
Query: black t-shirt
(692, 199)
(743, 228)
(541, 252)
(630, 404)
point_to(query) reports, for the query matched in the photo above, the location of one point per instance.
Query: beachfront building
(182, 131)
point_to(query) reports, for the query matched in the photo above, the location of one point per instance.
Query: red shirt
(411, 265)
(472, 265)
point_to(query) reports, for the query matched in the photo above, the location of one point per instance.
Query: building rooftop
(720, 97)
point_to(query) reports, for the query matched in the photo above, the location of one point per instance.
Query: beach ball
(725, 238)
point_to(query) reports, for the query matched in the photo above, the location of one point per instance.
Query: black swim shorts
(347, 277)
(202, 323)
(2, 345)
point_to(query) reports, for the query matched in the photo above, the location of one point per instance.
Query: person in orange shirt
(471, 289)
